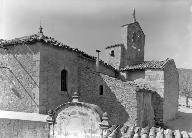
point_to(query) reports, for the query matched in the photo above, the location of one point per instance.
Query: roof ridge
(50, 40)
(152, 64)
(114, 45)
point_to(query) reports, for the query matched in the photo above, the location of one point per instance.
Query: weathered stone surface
(23, 129)
(34, 82)
(19, 81)
(117, 61)
(171, 92)
(38, 71)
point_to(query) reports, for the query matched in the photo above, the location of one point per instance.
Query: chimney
(97, 61)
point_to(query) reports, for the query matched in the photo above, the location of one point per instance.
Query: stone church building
(38, 73)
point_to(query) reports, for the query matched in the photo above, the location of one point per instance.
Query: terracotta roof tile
(147, 65)
(48, 40)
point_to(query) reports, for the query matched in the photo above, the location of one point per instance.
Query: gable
(31, 39)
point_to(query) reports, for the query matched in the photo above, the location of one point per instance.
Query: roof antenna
(134, 17)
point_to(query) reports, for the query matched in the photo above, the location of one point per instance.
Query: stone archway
(76, 120)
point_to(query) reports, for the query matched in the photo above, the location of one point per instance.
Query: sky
(95, 24)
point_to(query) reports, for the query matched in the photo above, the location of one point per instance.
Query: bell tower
(133, 39)
(131, 49)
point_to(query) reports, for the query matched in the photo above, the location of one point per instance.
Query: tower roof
(134, 18)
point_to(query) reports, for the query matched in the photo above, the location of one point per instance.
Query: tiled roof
(48, 40)
(147, 65)
(115, 45)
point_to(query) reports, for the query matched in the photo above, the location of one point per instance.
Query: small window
(101, 90)
(64, 80)
(112, 53)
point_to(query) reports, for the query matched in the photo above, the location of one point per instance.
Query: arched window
(64, 80)
(112, 53)
(101, 89)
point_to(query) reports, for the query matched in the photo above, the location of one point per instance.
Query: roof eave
(35, 40)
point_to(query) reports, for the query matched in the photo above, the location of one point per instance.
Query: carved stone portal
(75, 120)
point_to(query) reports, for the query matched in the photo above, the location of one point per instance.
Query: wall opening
(112, 53)
(101, 90)
(63, 80)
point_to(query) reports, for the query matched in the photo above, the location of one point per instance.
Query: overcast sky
(95, 24)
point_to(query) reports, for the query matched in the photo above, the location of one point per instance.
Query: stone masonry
(30, 78)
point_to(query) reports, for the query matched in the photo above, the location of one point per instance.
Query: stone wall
(23, 129)
(157, 103)
(34, 77)
(135, 48)
(23, 125)
(171, 94)
(156, 79)
(145, 110)
(117, 60)
(118, 99)
(53, 61)
(19, 81)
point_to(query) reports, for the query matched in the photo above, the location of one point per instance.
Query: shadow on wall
(90, 83)
(157, 103)
(113, 106)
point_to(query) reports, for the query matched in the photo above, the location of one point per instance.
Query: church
(38, 73)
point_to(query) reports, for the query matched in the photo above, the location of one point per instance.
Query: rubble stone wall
(19, 81)
(118, 99)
